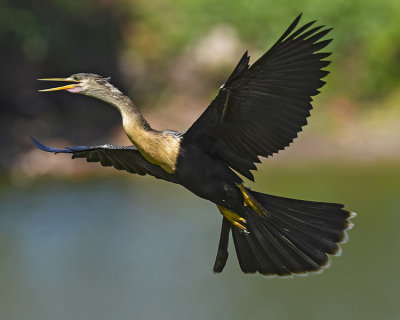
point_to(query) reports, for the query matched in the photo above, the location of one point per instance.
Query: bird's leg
(233, 218)
(252, 203)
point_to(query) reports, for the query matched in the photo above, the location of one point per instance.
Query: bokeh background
(78, 241)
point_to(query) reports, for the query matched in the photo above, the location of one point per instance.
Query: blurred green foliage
(366, 32)
(141, 44)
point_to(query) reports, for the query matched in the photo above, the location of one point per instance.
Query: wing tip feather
(42, 147)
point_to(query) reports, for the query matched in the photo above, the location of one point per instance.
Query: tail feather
(271, 249)
(332, 211)
(267, 261)
(222, 253)
(288, 253)
(323, 240)
(294, 238)
(334, 228)
(322, 221)
(247, 259)
(312, 247)
(292, 257)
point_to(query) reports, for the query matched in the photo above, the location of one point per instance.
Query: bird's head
(84, 83)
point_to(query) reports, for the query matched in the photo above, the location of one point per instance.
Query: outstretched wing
(120, 157)
(261, 108)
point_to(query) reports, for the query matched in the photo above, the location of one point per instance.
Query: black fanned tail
(294, 238)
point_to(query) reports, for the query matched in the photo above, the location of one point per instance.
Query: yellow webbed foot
(252, 203)
(233, 218)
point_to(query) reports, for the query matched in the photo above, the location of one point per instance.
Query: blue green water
(136, 248)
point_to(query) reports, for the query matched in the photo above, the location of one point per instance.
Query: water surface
(137, 248)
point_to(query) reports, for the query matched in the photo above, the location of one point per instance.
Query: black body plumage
(259, 111)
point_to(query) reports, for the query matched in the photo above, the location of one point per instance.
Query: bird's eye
(75, 77)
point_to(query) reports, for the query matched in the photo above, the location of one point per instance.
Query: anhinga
(257, 112)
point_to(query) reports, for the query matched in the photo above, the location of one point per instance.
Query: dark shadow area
(54, 39)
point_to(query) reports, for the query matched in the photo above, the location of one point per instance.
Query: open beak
(67, 87)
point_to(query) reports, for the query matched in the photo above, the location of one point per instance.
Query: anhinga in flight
(257, 112)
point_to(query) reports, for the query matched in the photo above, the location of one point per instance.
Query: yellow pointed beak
(69, 86)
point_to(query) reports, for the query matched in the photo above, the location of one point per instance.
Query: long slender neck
(133, 121)
(131, 116)
(157, 147)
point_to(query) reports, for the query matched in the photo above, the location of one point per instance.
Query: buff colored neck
(157, 147)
